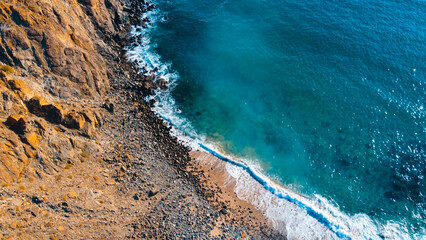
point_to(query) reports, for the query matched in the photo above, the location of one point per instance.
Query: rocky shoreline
(82, 154)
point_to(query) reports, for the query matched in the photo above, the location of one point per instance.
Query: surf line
(310, 211)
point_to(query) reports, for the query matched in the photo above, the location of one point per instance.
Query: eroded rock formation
(53, 79)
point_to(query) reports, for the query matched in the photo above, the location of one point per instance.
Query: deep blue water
(328, 97)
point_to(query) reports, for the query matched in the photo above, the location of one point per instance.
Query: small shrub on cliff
(7, 69)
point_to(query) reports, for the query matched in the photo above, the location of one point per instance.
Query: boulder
(19, 45)
(149, 87)
(34, 106)
(17, 124)
(32, 140)
(163, 83)
(20, 87)
(50, 112)
(73, 120)
(90, 117)
(153, 191)
(108, 106)
(88, 130)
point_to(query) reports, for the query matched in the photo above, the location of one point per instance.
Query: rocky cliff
(53, 79)
(53, 82)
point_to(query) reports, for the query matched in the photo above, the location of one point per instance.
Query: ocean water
(326, 98)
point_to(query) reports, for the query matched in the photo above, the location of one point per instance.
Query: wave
(297, 216)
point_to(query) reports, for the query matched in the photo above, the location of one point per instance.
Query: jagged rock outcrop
(57, 42)
(38, 131)
(52, 81)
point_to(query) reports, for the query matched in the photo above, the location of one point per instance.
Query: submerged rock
(163, 84)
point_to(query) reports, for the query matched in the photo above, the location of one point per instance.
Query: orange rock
(30, 153)
(3, 76)
(5, 11)
(10, 165)
(7, 69)
(21, 88)
(5, 177)
(72, 194)
(90, 117)
(39, 107)
(41, 124)
(34, 106)
(23, 15)
(14, 225)
(16, 84)
(32, 140)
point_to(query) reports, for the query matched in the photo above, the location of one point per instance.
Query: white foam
(287, 217)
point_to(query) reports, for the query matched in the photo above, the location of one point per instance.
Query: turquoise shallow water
(327, 97)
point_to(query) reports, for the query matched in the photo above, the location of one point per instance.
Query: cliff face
(52, 80)
(57, 42)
